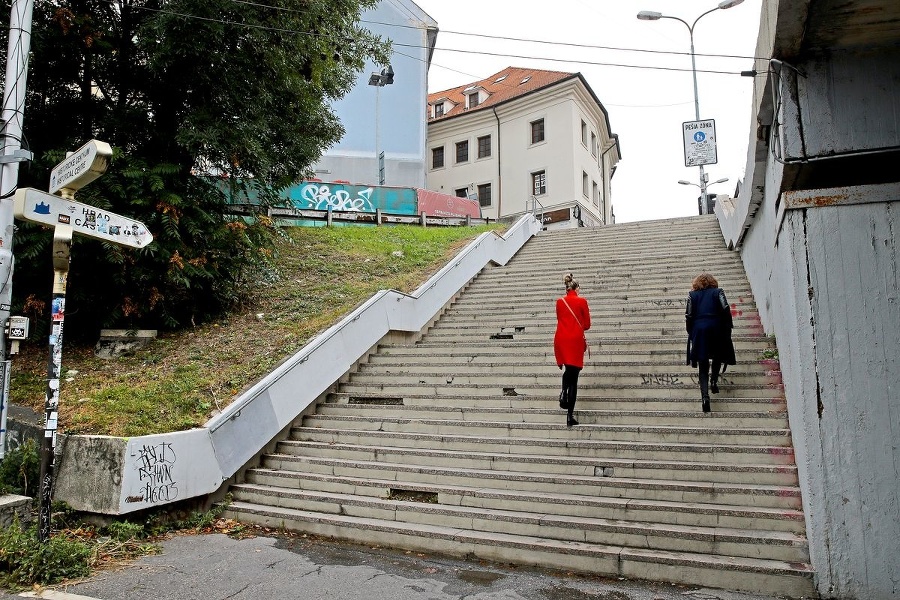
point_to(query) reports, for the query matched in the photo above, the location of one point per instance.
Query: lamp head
(683, 182)
(649, 15)
(729, 3)
(387, 74)
(723, 180)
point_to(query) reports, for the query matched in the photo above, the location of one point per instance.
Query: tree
(198, 98)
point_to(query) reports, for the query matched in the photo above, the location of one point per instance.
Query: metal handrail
(534, 204)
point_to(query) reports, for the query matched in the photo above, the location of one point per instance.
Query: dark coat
(709, 324)
(569, 342)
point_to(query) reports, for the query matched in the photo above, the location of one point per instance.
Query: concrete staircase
(456, 444)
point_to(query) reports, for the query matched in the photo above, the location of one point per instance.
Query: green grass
(180, 379)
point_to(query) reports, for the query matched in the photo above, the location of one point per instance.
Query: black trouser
(704, 374)
(570, 386)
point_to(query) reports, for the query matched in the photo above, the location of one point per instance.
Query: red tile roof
(509, 83)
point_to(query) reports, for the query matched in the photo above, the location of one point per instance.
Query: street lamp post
(379, 80)
(649, 15)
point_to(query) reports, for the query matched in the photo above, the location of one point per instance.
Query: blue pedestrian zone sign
(699, 143)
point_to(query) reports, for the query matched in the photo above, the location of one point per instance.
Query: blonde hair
(570, 282)
(703, 281)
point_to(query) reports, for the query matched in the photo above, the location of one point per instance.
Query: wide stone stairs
(456, 444)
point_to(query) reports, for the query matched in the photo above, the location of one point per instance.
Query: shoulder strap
(573, 313)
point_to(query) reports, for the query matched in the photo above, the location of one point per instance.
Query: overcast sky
(646, 106)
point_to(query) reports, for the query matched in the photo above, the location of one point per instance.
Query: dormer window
(525, 80)
(475, 95)
(438, 110)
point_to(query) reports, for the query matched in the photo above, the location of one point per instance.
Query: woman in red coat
(573, 318)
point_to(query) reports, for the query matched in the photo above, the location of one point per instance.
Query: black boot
(704, 393)
(714, 384)
(570, 420)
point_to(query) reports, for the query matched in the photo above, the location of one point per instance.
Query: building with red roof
(524, 138)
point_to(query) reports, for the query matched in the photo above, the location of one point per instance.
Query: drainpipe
(499, 176)
(603, 179)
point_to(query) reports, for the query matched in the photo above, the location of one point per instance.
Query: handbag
(586, 345)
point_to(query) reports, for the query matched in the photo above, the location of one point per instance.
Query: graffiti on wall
(345, 197)
(155, 466)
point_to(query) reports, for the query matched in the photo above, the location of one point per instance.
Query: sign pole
(62, 244)
(66, 217)
(12, 153)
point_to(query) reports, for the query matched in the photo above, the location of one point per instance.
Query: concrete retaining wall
(824, 270)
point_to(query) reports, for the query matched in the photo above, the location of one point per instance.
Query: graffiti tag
(320, 197)
(660, 379)
(155, 466)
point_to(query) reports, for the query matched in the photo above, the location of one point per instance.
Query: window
(437, 157)
(539, 183)
(584, 184)
(593, 143)
(484, 194)
(462, 151)
(584, 133)
(462, 192)
(439, 110)
(473, 100)
(537, 131)
(595, 194)
(484, 146)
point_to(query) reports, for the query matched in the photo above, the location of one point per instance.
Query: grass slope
(182, 378)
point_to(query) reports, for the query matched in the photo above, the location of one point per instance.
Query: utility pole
(10, 157)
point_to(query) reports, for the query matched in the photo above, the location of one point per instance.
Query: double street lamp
(703, 199)
(649, 15)
(379, 80)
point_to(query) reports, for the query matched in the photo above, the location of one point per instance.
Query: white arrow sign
(41, 207)
(81, 167)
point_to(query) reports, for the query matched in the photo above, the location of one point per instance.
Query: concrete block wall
(825, 271)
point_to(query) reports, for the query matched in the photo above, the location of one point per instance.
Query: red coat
(568, 343)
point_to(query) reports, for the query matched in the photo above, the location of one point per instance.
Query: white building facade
(523, 138)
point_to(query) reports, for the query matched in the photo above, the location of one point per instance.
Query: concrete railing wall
(823, 267)
(111, 475)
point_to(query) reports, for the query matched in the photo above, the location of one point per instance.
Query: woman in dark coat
(573, 318)
(709, 324)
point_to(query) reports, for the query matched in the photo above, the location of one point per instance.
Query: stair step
(288, 471)
(758, 575)
(688, 403)
(739, 454)
(696, 470)
(735, 542)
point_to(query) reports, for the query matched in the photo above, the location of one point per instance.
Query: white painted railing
(164, 468)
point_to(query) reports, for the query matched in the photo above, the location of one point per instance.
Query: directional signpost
(68, 217)
(81, 167)
(41, 207)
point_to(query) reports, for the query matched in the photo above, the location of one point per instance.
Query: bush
(20, 470)
(25, 561)
(124, 531)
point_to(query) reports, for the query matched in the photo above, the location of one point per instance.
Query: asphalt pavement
(217, 567)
